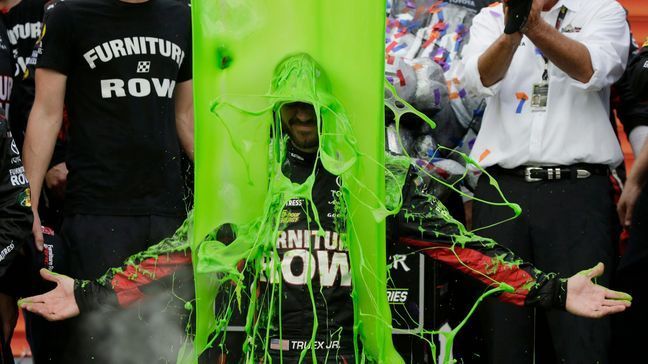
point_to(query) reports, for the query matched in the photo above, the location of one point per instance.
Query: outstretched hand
(587, 299)
(57, 304)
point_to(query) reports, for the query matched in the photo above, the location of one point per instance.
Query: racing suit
(423, 222)
(15, 226)
(15, 201)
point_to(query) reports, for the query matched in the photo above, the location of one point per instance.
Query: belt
(555, 173)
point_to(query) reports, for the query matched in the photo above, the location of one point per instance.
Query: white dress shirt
(575, 126)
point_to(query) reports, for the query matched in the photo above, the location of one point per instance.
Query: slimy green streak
(239, 182)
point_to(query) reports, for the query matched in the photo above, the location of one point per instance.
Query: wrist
(635, 181)
(533, 28)
(512, 41)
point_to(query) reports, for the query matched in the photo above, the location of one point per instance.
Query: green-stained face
(299, 120)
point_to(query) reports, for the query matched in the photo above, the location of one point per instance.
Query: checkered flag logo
(143, 67)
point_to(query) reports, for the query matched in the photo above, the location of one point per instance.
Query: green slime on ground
(238, 164)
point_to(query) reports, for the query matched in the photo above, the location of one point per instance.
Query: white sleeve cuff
(598, 79)
(473, 81)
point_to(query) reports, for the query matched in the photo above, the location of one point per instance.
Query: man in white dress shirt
(547, 139)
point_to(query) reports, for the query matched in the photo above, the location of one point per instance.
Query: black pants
(630, 334)
(565, 226)
(149, 332)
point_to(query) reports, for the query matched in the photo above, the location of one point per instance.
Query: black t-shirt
(6, 69)
(24, 23)
(123, 62)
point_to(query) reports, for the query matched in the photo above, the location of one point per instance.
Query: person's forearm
(570, 56)
(185, 127)
(184, 114)
(40, 139)
(494, 63)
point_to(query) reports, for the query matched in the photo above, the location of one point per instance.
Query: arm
(489, 51)
(184, 113)
(603, 47)
(42, 129)
(425, 223)
(496, 60)
(634, 184)
(570, 56)
(159, 267)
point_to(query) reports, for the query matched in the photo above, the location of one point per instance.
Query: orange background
(638, 16)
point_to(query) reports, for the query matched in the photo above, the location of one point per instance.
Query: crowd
(98, 107)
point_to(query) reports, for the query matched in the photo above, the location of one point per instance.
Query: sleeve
(638, 74)
(56, 44)
(159, 268)
(487, 26)
(425, 223)
(185, 72)
(607, 38)
(630, 111)
(15, 200)
(124, 286)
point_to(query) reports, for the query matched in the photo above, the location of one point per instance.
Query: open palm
(587, 299)
(57, 304)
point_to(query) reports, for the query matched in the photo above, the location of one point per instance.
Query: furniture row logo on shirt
(144, 67)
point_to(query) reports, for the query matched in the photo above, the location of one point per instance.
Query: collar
(295, 154)
(572, 5)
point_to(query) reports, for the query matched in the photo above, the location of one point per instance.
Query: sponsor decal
(288, 217)
(17, 176)
(24, 198)
(130, 46)
(570, 29)
(8, 249)
(137, 87)
(399, 260)
(397, 296)
(309, 253)
(288, 345)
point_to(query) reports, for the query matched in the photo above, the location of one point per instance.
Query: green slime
(239, 181)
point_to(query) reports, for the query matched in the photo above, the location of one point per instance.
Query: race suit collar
(296, 155)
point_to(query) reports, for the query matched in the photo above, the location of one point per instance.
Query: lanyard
(561, 18)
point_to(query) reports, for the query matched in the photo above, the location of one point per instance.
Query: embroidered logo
(571, 29)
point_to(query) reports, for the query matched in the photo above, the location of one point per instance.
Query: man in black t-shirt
(23, 20)
(124, 72)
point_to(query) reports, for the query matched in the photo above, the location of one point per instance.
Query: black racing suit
(423, 222)
(638, 73)
(15, 201)
(15, 224)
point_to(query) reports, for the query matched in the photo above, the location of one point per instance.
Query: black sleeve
(638, 74)
(185, 72)
(15, 202)
(134, 281)
(629, 109)
(426, 224)
(163, 266)
(56, 44)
